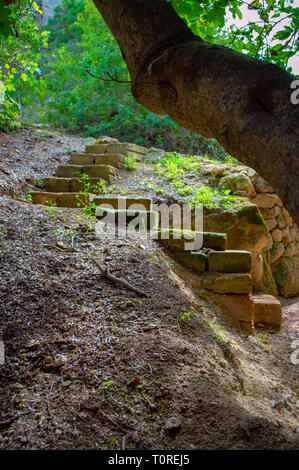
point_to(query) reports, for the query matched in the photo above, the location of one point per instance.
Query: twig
(110, 79)
(119, 280)
(7, 422)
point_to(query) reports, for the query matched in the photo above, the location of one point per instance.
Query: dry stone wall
(283, 236)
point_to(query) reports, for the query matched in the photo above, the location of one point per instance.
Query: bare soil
(130, 361)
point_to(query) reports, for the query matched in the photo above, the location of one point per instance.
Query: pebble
(173, 424)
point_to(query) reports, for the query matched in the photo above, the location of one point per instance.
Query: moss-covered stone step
(193, 260)
(231, 261)
(178, 240)
(60, 199)
(267, 310)
(233, 283)
(123, 202)
(113, 159)
(107, 172)
(67, 185)
(126, 149)
(143, 220)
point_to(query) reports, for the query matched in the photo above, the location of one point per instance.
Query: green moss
(252, 215)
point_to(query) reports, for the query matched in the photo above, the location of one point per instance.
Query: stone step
(194, 260)
(123, 202)
(231, 261)
(113, 159)
(126, 149)
(145, 220)
(60, 199)
(178, 240)
(233, 283)
(267, 310)
(107, 172)
(67, 185)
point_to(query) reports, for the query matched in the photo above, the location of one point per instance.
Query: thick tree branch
(242, 102)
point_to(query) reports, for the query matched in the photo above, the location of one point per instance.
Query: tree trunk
(242, 102)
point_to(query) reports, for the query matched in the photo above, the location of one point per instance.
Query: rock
(289, 221)
(231, 261)
(59, 361)
(191, 259)
(276, 252)
(292, 234)
(229, 283)
(276, 235)
(105, 139)
(240, 193)
(267, 310)
(286, 275)
(285, 232)
(269, 282)
(261, 186)
(266, 200)
(276, 211)
(267, 213)
(271, 224)
(290, 250)
(33, 344)
(178, 240)
(173, 425)
(237, 182)
(281, 222)
(270, 243)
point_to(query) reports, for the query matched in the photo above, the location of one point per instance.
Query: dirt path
(129, 362)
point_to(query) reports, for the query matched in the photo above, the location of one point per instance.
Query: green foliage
(186, 316)
(98, 188)
(20, 44)
(130, 163)
(270, 35)
(214, 198)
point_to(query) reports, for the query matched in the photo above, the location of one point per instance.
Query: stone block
(191, 259)
(124, 203)
(57, 185)
(237, 309)
(106, 172)
(235, 283)
(233, 261)
(177, 240)
(276, 251)
(266, 200)
(267, 310)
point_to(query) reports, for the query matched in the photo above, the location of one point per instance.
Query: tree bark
(242, 102)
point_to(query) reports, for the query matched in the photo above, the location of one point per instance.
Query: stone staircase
(100, 162)
(223, 275)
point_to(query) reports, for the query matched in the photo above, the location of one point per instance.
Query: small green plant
(159, 191)
(98, 188)
(4, 234)
(51, 208)
(218, 330)
(131, 163)
(186, 316)
(264, 338)
(108, 383)
(39, 183)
